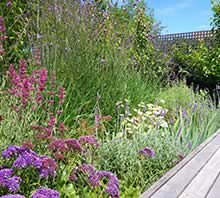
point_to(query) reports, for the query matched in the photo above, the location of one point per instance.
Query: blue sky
(182, 15)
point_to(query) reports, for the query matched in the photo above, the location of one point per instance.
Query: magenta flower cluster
(26, 157)
(60, 147)
(32, 88)
(8, 181)
(25, 86)
(147, 151)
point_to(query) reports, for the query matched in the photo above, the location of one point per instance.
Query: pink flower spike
(23, 68)
(52, 122)
(2, 24)
(38, 56)
(59, 112)
(2, 51)
(61, 95)
(53, 80)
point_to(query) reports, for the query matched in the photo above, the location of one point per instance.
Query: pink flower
(53, 80)
(22, 68)
(59, 112)
(61, 94)
(62, 127)
(52, 122)
(2, 51)
(2, 24)
(37, 56)
(2, 38)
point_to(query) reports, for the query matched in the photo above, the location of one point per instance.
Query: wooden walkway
(197, 176)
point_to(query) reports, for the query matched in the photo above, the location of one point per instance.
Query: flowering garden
(88, 107)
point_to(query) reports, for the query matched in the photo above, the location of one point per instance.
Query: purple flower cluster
(26, 157)
(84, 168)
(13, 196)
(89, 139)
(12, 151)
(46, 193)
(8, 181)
(149, 152)
(48, 167)
(113, 183)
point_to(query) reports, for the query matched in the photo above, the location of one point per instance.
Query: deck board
(179, 181)
(215, 190)
(202, 183)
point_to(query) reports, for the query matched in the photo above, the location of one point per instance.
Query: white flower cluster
(145, 117)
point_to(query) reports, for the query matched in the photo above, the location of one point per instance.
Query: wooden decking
(197, 176)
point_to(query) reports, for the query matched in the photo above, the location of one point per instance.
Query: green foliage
(16, 17)
(200, 64)
(177, 96)
(121, 156)
(216, 19)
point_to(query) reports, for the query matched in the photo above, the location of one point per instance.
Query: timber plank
(215, 190)
(202, 183)
(176, 180)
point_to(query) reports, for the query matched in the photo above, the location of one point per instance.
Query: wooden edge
(163, 180)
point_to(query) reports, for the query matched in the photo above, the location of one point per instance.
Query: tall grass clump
(97, 47)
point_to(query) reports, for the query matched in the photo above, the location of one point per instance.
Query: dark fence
(165, 42)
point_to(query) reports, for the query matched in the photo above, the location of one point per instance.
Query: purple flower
(48, 167)
(58, 145)
(46, 193)
(13, 196)
(87, 168)
(190, 145)
(73, 144)
(179, 131)
(12, 151)
(7, 181)
(149, 152)
(12, 183)
(84, 168)
(194, 107)
(89, 139)
(113, 183)
(27, 158)
(184, 114)
(6, 173)
(9, 3)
